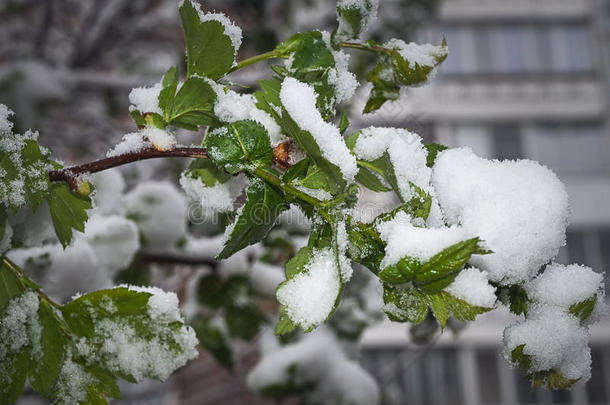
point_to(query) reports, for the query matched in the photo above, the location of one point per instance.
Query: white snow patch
(564, 286)
(160, 210)
(146, 99)
(114, 239)
(472, 286)
(405, 239)
(407, 155)
(299, 99)
(318, 361)
(554, 339)
(518, 208)
(309, 297)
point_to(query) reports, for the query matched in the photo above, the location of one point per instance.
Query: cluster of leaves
(413, 290)
(54, 339)
(24, 164)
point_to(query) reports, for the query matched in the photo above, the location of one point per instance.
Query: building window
(521, 48)
(589, 247)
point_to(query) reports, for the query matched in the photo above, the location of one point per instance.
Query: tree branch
(168, 258)
(70, 173)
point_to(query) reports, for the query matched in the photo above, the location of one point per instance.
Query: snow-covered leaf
(440, 271)
(46, 365)
(192, 106)
(333, 178)
(443, 305)
(242, 145)
(433, 150)
(209, 50)
(583, 310)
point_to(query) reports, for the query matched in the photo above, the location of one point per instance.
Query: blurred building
(524, 79)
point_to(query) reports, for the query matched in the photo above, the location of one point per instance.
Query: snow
(13, 190)
(19, 324)
(109, 187)
(114, 239)
(318, 362)
(309, 297)
(124, 349)
(343, 81)
(518, 208)
(145, 138)
(231, 107)
(406, 151)
(405, 239)
(6, 126)
(564, 286)
(421, 54)
(160, 211)
(146, 99)
(230, 29)
(299, 99)
(554, 339)
(218, 198)
(72, 382)
(63, 273)
(318, 194)
(265, 278)
(368, 15)
(472, 286)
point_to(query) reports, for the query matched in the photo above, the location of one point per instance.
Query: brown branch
(168, 258)
(70, 173)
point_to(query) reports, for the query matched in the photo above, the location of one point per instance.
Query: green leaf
(550, 379)
(330, 174)
(433, 150)
(68, 211)
(82, 313)
(268, 98)
(297, 264)
(24, 177)
(517, 298)
(192, 106)
(369, 180)
(344, 123)
(170, 77)
(404, 305)
(442, 268)
(215, 292)
(444, 304)
(401, 272)
(243, 145)
(243, 321)
(522, 360)
(255, 219)
(583, 309)
(284, 324)
(295, 171)
(10, 286)
(13, 375)
(206, 171)
(45, 366)
(212, 338)
(311, 62)
(209, 51)
(365, 246)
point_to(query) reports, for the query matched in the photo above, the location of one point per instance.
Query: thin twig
(168, 258)
(70, 173)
